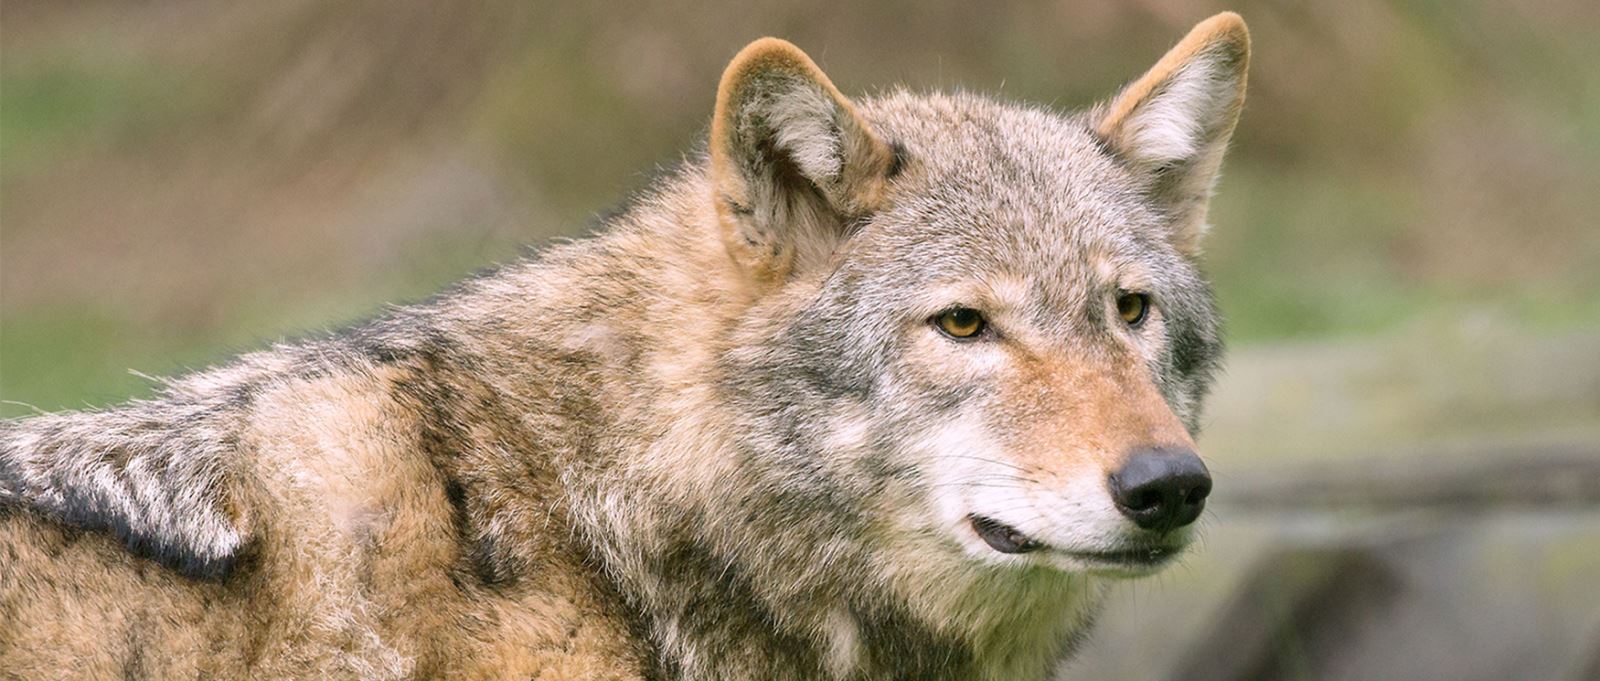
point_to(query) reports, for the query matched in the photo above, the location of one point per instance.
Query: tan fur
(1105, 415)
(354, 577)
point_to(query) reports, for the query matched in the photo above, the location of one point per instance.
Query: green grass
(76, 358)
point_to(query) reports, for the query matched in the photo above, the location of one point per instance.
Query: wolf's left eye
(960, 323)
(1133, 307)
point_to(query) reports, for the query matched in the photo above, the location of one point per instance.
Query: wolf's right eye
(960, 323)
(1133, 307)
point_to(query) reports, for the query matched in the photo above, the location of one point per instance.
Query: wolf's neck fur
(733, 574)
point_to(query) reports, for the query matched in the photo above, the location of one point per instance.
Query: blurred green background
(1407, 240)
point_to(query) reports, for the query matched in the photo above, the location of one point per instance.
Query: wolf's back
(128, 535)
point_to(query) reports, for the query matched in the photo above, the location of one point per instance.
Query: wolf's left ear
(1173, 123)
(792, 163)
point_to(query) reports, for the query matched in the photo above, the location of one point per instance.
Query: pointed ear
(792, 163)
(1173, 123)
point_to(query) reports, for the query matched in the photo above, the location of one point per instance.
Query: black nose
(1161, 489)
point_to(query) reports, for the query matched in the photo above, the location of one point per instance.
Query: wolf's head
(977, 334)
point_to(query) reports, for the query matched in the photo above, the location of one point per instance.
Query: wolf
(878, 389)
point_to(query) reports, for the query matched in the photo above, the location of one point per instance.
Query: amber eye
(1133, 307)
(960, 322)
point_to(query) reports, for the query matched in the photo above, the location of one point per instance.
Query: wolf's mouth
(1002, 537)
(1007, 539)
(1145, 557)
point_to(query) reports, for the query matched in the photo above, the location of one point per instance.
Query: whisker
(987, 478)
(985, 460)
(1024, 504)
(991, 485)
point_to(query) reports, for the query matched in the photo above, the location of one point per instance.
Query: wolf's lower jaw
(1125, 561)
(1114, 563)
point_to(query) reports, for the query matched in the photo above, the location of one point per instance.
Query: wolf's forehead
(956, 134)
(998, 182)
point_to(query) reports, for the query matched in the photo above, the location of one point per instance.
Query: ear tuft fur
(1174, 122)
(791, 160)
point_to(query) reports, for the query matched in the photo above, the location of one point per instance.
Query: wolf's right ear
(1173, 123)
(792, 163)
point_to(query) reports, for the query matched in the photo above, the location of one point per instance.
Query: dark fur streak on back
(84, 513)
(441, 439)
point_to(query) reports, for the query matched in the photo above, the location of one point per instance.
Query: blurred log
(1588, 665)
(1532, 476)
(1289, 617)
